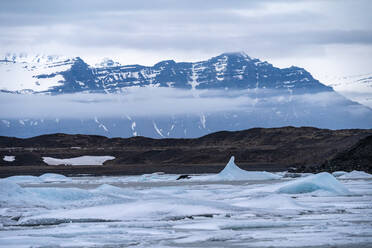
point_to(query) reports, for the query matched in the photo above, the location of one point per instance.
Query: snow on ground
(21, 72)
(82, 160)
(156, 210)
(9, 158)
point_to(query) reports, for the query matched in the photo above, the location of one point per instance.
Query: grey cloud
(136, 102)
(263, 28)
(81, 6)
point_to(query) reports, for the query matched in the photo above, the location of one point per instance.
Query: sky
(329, 38)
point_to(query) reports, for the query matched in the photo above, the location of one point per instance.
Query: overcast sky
(328, 38)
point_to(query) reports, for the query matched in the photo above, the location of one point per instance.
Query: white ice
(52, 177)
(156, 210)
(82, 160)
(338, 173)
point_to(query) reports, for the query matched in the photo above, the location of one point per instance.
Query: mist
(157, 102)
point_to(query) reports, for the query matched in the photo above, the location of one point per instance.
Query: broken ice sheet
(163, 212)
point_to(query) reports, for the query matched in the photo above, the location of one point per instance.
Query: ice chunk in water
(10, 189)
(22, 179)
(321, 181)
(274, 201)
(47, 177)
(356, 175)
(52, 177)
(233, 172)
(339, 173)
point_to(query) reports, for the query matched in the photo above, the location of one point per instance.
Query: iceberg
(321, 181)
(10, 189)
(52, 177)
(22, 179)
(339, 173)
(82, 160)
(356, 175)
(45, 178)
(233, 172)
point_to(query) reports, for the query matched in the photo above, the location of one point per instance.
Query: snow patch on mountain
(32, 73)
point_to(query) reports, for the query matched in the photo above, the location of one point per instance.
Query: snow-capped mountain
(242, 92)
(23, 73)
(226, 71)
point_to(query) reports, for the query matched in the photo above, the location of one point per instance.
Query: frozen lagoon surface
(206, 211)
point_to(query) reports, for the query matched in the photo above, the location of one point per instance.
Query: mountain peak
(30, 58)
(107, 62)
(235, 54)
(231, 70)
(165, 63)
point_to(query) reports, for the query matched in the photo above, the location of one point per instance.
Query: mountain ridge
(234, 70)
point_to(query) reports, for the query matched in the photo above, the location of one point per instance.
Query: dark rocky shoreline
(302, 149)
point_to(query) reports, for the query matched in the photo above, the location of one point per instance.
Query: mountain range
(269, 96)
(59, 75)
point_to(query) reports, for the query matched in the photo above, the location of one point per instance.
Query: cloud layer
(154, 102)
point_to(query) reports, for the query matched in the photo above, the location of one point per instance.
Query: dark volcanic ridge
(271, 149)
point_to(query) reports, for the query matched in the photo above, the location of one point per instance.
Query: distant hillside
(358, 157)
(272, 149)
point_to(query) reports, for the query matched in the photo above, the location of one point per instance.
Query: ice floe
(339, 173)
(52, 177)
(318, 182)
(273, 201)
(22, 179)
(45, 178)
(356, 175)
(82, 160)
(89, 212)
